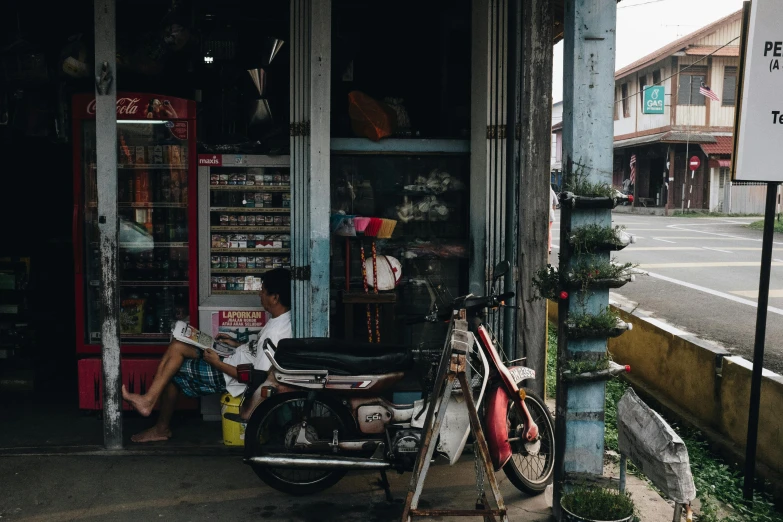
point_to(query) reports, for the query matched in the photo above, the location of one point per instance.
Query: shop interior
(201, 50)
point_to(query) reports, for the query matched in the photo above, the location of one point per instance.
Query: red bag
(369, 117)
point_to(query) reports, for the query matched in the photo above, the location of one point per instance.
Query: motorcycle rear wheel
(281, 415)
(532, 465)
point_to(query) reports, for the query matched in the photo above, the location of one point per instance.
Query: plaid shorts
(197, 378)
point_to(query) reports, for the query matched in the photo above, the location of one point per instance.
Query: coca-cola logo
(125, 106)
(211, 161)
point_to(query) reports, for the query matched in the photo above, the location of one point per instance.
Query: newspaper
(191, 335)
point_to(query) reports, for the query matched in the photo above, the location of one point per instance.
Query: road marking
(714, 292)
(706, 265)
(636, 249)
(664, 240)
(717, 250)
(648, 229)
(755, 293)
(702, 238)
(729, 236)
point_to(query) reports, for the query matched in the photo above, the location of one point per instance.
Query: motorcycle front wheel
(274, 427)
(532, 464)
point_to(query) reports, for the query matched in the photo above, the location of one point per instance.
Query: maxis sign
(653, 99)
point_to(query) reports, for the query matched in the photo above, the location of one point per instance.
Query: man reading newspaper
(183, 368)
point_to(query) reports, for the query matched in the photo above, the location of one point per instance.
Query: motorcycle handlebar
(486, 301)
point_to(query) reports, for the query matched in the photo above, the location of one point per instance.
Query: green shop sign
(653, 99)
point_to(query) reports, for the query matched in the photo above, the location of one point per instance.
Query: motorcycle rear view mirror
(501, 269)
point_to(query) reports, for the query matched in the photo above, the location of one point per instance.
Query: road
(702, 275)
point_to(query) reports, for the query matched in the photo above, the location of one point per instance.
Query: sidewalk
(54, 473)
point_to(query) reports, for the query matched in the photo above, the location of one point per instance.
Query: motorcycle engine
(405, 446)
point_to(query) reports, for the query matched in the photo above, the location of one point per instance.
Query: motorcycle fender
(496, 424)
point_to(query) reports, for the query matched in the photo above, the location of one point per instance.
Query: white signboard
(760, 129)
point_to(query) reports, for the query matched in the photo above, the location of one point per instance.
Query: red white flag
(706, 91)
(633, 169)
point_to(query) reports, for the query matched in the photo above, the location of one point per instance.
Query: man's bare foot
(152, 434)
(139, 403)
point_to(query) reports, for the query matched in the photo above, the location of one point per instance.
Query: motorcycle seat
(342, 357)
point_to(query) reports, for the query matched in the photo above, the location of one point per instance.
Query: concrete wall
(702, 380)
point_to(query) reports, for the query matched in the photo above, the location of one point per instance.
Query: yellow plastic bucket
(233, 432)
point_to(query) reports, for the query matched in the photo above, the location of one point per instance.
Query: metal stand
(452, 368)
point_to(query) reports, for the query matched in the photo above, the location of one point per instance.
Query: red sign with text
(694, 163)
(135, 106)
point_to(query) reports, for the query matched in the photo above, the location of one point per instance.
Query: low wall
(702, 380)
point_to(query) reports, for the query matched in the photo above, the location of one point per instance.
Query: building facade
(687, 124)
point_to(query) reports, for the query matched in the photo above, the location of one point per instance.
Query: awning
(667, 137)
(720, 163)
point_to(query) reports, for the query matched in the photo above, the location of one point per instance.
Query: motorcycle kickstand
(384, 483)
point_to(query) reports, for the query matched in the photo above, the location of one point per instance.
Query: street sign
(694, 163)
(653, 99)
(759, 115)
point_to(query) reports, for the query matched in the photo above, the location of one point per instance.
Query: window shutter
(642, 85)
(684, 90)
(729, 86)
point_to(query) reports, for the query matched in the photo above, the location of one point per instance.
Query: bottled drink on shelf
(165, 186)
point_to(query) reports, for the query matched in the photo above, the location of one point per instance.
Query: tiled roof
(666, 137)
(724, 145)
(675, 46)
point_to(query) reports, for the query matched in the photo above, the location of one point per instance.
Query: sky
(646, 25)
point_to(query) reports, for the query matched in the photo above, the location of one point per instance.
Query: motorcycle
(319, 411)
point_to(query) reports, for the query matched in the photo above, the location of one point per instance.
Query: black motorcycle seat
(342, 357)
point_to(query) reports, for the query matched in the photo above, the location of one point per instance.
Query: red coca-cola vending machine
(156, 200)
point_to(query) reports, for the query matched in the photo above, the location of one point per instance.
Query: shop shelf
(234, 292)
(269, 210)
(254, 251)
(240, 270)
(154, 283)
(252, 188)
(277, 229)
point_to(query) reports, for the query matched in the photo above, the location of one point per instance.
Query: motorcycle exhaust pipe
(295, 461)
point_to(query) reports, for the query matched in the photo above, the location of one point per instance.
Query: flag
(633, 169)
(706, 91)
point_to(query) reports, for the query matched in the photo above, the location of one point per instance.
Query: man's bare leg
(162, 428)
(169, 365)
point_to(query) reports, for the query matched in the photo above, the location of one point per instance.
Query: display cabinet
(423, 186)
(245, 230)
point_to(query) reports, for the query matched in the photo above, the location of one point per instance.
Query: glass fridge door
(152, 199)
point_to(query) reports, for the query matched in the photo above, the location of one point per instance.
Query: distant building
(556, 162)
(690, 124)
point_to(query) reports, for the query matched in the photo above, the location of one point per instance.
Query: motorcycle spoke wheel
(274, 428)
(532, 464)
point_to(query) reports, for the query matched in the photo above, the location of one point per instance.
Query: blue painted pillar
(588, 97)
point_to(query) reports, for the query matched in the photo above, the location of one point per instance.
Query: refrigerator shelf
(234, 292)
(251, 229)
(92, 204)
(250, 209)
(154, 283)
(157, 244)
(255, 188)
(154, 166)
(240, 270)
(254, 251)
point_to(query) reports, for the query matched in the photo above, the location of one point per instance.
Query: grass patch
(759, 225)
(598, 503)
(718, 485)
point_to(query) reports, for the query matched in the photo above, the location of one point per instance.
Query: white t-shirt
(277, 328)
(553, 201)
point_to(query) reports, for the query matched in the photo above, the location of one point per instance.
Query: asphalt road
(702, 276)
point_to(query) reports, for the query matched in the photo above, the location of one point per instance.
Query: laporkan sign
(653, 99)
(759, 117)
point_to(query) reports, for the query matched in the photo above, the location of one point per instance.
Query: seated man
(183, 368)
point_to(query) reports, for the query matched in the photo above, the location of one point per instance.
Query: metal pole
(106, 173)
(758, 350)
(623, 469)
